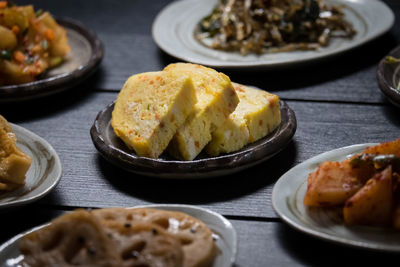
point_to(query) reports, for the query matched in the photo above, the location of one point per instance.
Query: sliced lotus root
(196, 238)
(75, 238)
(144, 244)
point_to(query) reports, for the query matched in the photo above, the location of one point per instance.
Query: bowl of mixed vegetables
(42, 55)
(30, 43)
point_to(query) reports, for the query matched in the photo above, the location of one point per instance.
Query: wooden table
(337, 103)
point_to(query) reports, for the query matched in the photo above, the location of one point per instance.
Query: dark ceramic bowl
(388, 76)
(204, 166)
(85, 56)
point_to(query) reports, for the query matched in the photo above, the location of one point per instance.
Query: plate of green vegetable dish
(253, 34)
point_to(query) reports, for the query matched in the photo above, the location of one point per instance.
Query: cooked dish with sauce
(260, 26)
(30, 43)
(365, 185)
(14, 163)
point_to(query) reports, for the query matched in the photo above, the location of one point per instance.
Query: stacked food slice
(257, 115)
(216, 99)
(189, 107)
(150, 108)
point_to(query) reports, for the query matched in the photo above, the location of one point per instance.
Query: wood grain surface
(90, 181)
(337, 103)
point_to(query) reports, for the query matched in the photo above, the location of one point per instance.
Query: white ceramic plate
(43, 174)
(224, 233)
(327, 224)
(174, 26)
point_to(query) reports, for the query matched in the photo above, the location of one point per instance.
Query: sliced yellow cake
(14, 163)
(257, 115)
(150, 108)
(216, 99)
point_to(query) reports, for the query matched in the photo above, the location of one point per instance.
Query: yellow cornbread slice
(257, 115)
(13, 162)
(216, 99)
(150, 108)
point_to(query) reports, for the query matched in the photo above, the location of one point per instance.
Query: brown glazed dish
(115, 151)
(85, 56)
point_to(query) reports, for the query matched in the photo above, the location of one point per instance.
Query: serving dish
(173, 31)
(388, 76)
(85, 56)
(115, 151)
(326, 224)
(223, 231)
(43, 174)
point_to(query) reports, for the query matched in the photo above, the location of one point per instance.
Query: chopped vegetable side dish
(30, 43)
(367, 186)
(260, 26)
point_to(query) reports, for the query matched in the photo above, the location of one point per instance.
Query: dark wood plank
(90, 181)
(276, 244)
(337, 103)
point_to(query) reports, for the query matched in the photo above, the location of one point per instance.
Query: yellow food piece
(150, 108)
(13, 162)
(59, 44)
(257, 115)
(216, 99)
(8, 40)
(17, 15)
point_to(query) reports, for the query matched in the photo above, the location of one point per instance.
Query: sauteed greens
(259, 26)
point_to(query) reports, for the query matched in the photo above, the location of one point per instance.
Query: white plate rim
(18, 130)
(172, 207)
(280, 205)
(386, 22)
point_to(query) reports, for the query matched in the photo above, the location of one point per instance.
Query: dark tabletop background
(337, 103)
